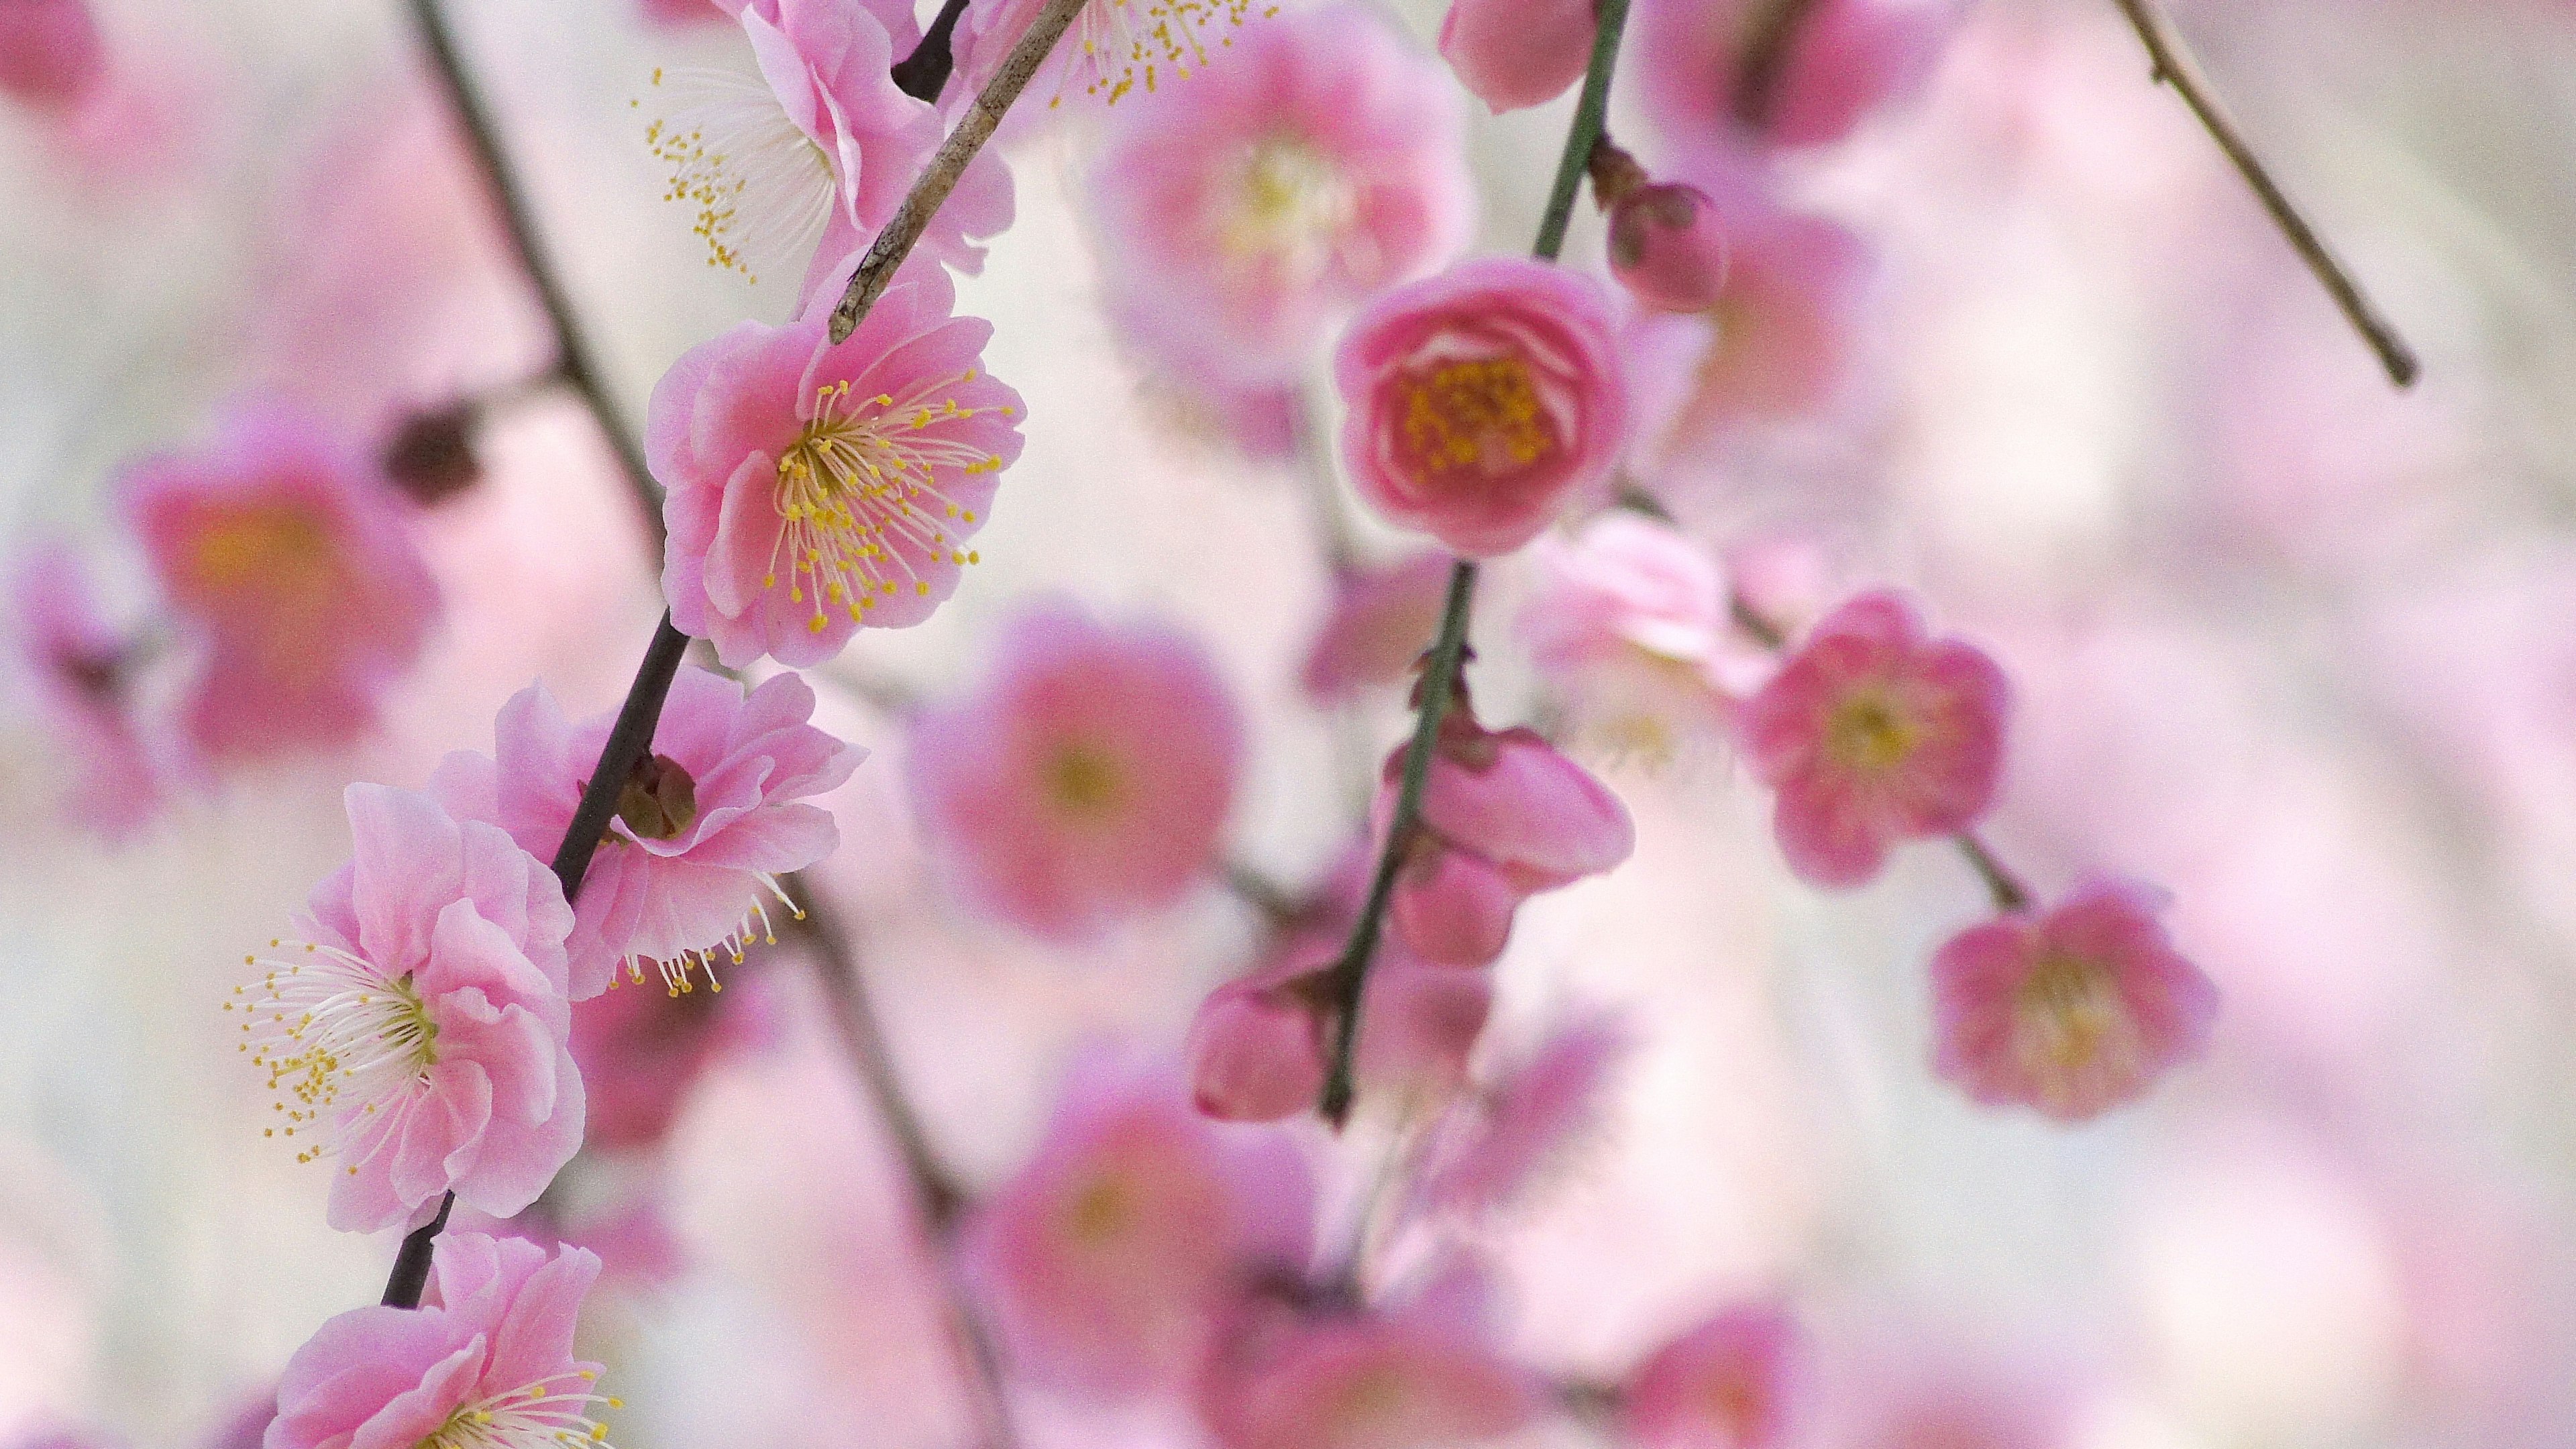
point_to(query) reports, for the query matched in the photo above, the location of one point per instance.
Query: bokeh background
(2289, 643)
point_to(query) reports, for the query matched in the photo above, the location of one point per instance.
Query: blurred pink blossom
(50, 52)
(1369, 1381)
(2072, 1012)
(493, 1354)
(1668, 247)
(1512, 53)
(1483, 402)
(705, 826)
(814, 486)
(1381, 620)
(1734, 1381)
(640, 1053)
(1256, 1050)
(419, 1029)
(1086, 777)
(1490, 1147)
(1257, 1044)
(1874, 733)
(297, 568)
(1631, 620)
(78, 672)
(680, 12)
(1846, 59)
(1246, 212)
(1111, 1258)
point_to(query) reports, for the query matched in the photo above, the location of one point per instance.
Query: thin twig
(940, 177)
(575, 362)
(1765, 60)
(923, 74)
(2175, 69)
(1590, 113)
(2010, 895)
(410, 1277)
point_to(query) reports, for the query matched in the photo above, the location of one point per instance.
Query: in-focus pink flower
(1845, 59)
(1874, 733)
(1084, 778)
(705, 826)
(1631, 620)
(1370, 1382)
(78, 674)
(1491, 1146)
(1504, 817)
(1514, 53)
(814, 487)
(1736, 1381)
(1113, 49)
(489, 1363)
(50, 51)
(2073, 1011)
(418, 1033)
(1483, 401)
(1380, 622)
(1245, 213)
(800, 164)
(1111, 1259)
(297, 568)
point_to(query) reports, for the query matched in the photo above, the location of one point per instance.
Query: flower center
(327, 1023)
(1480, 413)
(279, 567)
(763, 189)
(1101, 1212)
(1293, 206)
(659, 800)
(1084, 780)
(1867, 732)
(550, 1412)
(861, 499)
(2069, 1009)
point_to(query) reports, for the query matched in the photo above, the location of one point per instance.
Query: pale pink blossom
(1381, 619)
(417, 1034)
(1846, 59)
(78, 672)
(1504, 817)
(1368, 1381)
(1668, 247)
(1247, 212)
(2072, 1011)
(1483, 402)
(1735, 1381)
(1516, 53)
(1111, 1259)
(1874, 733)
(489, 1362)
(1114, 48)
(1492, 1146)
(1256, 1049)
(1631, 618)
(801, 163)
(50, 51)
(295, 568)
(707, 822)
(1085, 777)
(816, 486)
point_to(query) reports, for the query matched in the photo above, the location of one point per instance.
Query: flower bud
(1255, 1054)
(50, 54)
(1666, 249)
(1516, 53)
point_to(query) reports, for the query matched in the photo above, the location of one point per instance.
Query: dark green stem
(1590, 115)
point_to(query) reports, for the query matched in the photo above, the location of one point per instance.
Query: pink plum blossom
(1409, 1381)
(803, 163)
(816, 486)
(1483, 402)
(419, 1029)
(1504, 817)
(1085, 777)
(1490, 1147)
(1846, 59)
(1381, 620)
(1247, 212)
(50, 51)
(1113, 49)
(1668, 247)
(79, 675)
(681, 12)
(705, 826)
(1874, 733)
(1112, 1257)
(1256, 1047)
(297, 570)
(2072, 1011)
(1735, 1381)
(1514, 53)
(488, 1363)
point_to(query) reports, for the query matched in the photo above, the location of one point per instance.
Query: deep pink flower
(1370, 1382)
(1112, 1257)
(488, 1363)
(705, 826)
(1085, 777)
(800, 165)
(1515, 53)
(1631, 619)
(50, 51)
(1735, 1381)
(2073, 1011)
(1668, 247)
(297, 568)
(1113, 49)
(1490, 1147)
(1504, 817)
(1248, 211)
(419, 1030)
(1848, 58)
(1874, 733)
(1380, 622)
(78, 671)
(1483, 401)
(1256, 1050)
(814, 487)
